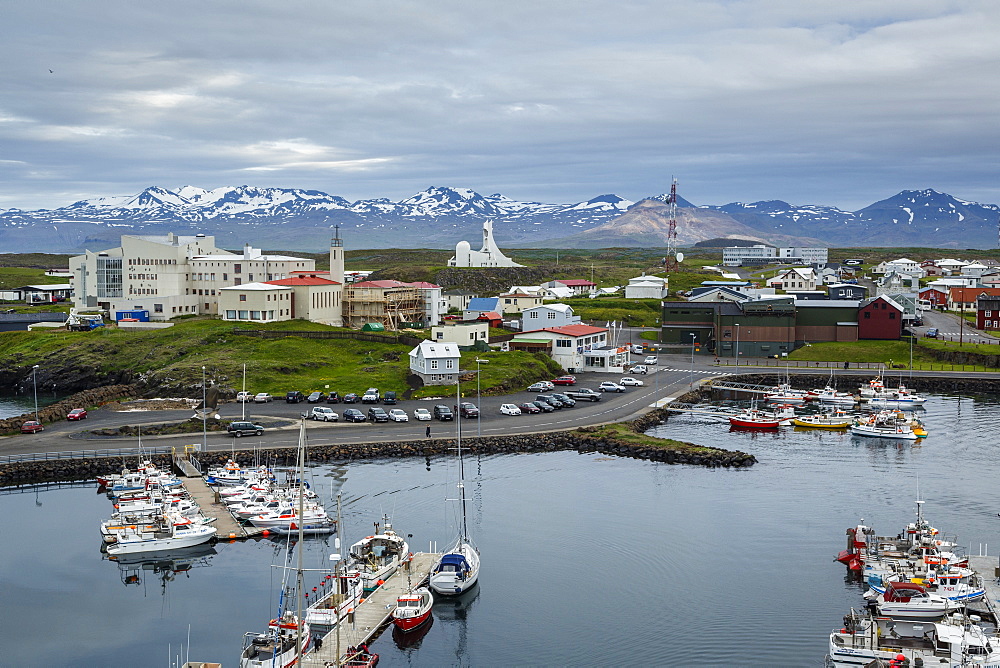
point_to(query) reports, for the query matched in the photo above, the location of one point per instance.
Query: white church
(488, 256)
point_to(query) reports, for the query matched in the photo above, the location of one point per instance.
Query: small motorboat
(885, 424)
(785, 394)
(832, 420)
(908, 600)
(753, 418)
(829, 395)
(359, 657)
(413, 609)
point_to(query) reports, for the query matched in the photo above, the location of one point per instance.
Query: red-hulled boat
(360, 657)
(412, 610)
(752, 418)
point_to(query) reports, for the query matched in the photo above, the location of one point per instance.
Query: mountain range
(294, 219)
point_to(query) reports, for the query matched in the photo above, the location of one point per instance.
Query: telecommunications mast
(671, 261)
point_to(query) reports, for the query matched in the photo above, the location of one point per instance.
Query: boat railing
(84, 454)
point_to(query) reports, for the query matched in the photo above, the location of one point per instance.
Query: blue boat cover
(455, 560)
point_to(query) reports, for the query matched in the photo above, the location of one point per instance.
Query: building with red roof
(574, 347)
(315, 297)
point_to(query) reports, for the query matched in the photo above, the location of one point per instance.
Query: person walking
(318, 643)
(428, 431)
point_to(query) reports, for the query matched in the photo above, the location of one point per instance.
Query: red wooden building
(937, 298)
(880, 318)
(988, 312)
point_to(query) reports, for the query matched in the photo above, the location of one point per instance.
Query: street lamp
(691, 380)
(34, 384)
(204, 414)
(737, 350)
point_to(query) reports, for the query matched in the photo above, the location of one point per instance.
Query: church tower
(337, 257)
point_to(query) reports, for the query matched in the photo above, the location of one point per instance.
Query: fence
(84, 454)
(806, 364)
(45, 486)
(360, 336)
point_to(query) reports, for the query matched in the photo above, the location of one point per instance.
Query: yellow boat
(834, 420)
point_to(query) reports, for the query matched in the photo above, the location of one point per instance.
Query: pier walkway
(226, 526)
(988, 568)
(371, 616)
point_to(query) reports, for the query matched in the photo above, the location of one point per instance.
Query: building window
(449, 364)
(564, 343)
(244, 315)
(255, 315)
(434, 364)
(243, 298)
(552, 315)
(157, 308)
(238, 282)
(225, 277)
(988, 314)
(237, 268)
(230, 315)
(533, 314)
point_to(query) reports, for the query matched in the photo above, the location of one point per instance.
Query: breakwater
(57, 411)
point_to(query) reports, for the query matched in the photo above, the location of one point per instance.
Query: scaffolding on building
(388, 306)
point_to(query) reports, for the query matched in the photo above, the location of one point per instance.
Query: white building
(796, 278)
(577, 286)
(436, 363)
(489, 255)
(256, 302)
(647, 287)
(548, 315)
(903, 265)
(461, 333)
(737, 256)
(435, 305)
(574, 347)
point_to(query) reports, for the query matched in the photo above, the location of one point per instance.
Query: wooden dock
(226, 526)
(373, 614)
(989, 570)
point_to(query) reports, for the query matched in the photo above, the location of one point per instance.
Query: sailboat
(458, 569)
(287, 637)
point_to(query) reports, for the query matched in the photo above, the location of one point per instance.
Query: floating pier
(988, 569)
(226, 526)
(371, 616)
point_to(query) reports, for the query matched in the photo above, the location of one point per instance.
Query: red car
(528, 407)
(77, 414)
(31, 426)
(564, 380)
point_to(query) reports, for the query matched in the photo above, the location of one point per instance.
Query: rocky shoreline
(57, 412)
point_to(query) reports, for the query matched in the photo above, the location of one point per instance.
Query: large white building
(737, 256)
(647, 287)
(489, 255)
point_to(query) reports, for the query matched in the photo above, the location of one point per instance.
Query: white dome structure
(489, 256)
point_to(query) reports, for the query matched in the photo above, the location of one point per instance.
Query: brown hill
(647, 222)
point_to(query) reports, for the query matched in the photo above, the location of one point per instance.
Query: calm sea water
(14, 406)
(588, 560)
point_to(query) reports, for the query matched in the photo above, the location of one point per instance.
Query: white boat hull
(896, 433)
(194, 536)
(453, 583)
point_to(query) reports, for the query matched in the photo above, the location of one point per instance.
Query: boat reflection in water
(411, 639)
(165, 565)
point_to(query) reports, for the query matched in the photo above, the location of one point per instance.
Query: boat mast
(461, 465)
(298, 572)
(337, 580)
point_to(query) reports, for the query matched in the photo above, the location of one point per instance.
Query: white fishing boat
(884, 424)
(378, 556)
(909, 600)
(284, 517)
(829, 395)
(877, 395)
(164, 534)
(784, 393)
(458, 569)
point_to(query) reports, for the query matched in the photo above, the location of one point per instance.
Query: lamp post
(737, 351)
(244, 402)
(691, 378)
(34, 384)
(479, 410)
(204, 414)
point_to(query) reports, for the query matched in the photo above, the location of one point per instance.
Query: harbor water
(588, 560)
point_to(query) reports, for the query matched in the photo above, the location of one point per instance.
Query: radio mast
(670, 262)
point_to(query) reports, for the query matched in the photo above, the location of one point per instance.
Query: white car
(608, 386)
(639, 368)
(650, 359)
(323, 413)
(629, 381)
(262, 398)
(399, 415)
(421, 414)
(509, 409)
(244, 396)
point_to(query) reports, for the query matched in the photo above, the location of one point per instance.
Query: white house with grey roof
(436, 363)
(548, 315)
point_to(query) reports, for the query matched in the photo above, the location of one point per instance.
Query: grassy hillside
(172, 359)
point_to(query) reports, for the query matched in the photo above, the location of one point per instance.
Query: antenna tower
(670, 261)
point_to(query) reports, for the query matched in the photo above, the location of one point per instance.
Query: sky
(808, 101)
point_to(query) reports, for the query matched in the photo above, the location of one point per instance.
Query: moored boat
(164, 534)
(378, 556)
(885, 424)
(753, 418)
(909, 600)
(413, 609)
(831, 420)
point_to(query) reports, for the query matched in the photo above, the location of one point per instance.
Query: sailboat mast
(461, 465)
(298, 572)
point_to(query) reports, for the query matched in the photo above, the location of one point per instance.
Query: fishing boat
(829, 395)
(876, 394)
(753, 418)
(884, 424)
(359, 656)
(954, 641)
(832, 420)
(784, 393)
(285, 517)
(378, 556)
(163, 534)
(413, 609)
(318, 528)
(909, 600)
(287, 637)
(458, 569)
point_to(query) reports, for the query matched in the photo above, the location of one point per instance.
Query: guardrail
(84, 454)
(46, 486)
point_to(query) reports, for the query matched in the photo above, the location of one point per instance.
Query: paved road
(951, 328)
(670, 379)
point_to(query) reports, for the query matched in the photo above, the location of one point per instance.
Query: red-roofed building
(315, 297)
(578, 286)
(492, 317)
(574, 347)
(960, 299)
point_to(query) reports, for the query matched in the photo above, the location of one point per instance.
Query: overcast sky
(809, 101)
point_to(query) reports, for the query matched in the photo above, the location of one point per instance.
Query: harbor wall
(850, 382)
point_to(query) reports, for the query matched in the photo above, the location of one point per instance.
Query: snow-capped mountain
(295, 219)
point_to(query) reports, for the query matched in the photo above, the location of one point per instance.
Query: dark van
(294, 397)
(389, 398)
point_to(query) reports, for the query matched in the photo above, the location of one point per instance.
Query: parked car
(377, 414)
(333, 397)
(77, 414)
(636, 348)
(351, 398)
(294, 397)
(389, 398)
(31, 427)
(238, 429)
(639, 368)
(509, 409)
(468, 410)
(543, 406)
(584, 393)
(421, 414)
(244, 396)
(371, 396)
(650, 359)
(609, 386)
(528, 407)
(550, 400)
(354, 415)
(442, 412)
(566, 401)
(316, 397)
(541, 386)
(398, 415)
(262, 398)
(564, 380)
(932, 333)
(323, 413)
(629, 381)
